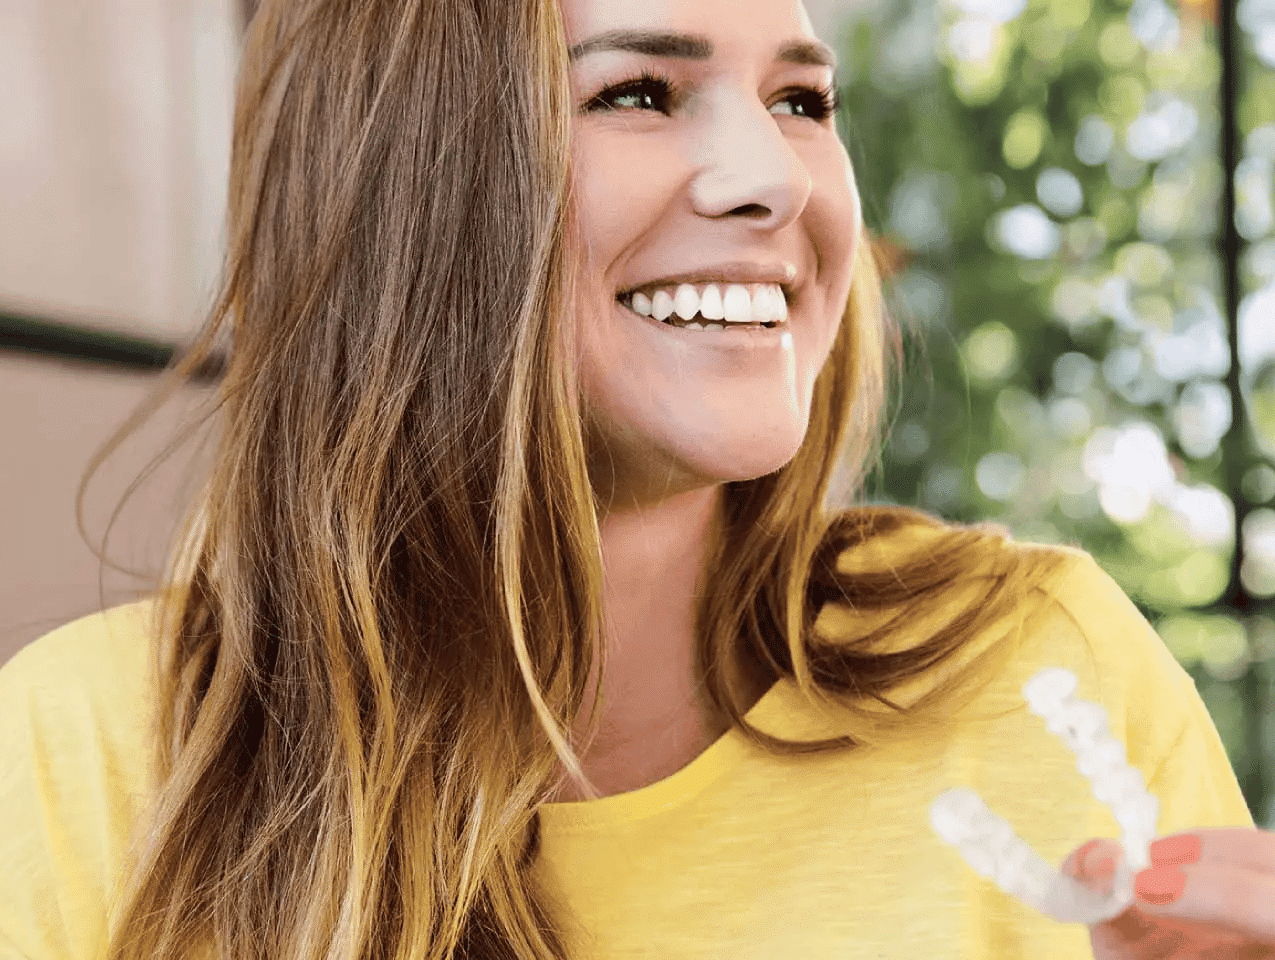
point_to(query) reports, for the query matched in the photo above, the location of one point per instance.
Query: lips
(650, 288)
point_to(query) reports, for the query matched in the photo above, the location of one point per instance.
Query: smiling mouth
(699, 322)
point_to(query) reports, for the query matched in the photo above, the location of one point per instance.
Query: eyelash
(826, 100)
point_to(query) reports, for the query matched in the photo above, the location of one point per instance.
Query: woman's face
(723, 167)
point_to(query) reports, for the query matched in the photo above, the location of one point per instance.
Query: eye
(816, 103)
(647, 92)
(653, 92)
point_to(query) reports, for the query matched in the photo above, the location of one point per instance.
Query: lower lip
(741, 337)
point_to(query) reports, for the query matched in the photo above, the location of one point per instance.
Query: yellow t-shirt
(739, 854)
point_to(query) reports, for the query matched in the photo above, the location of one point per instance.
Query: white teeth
(686, 301)
(744, 304)
(710, 304)
(773, 308)
(738, 305)
(762, 305)
(661, 305)
(779, 307)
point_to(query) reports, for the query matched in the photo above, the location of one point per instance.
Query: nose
(746, 167)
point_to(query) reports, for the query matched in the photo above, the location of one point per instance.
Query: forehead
(728, 23)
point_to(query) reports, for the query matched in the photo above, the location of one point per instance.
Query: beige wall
(114, 147)
(48, 574)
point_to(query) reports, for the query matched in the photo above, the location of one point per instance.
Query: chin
(746, 458)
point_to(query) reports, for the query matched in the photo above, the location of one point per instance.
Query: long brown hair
(379, 617)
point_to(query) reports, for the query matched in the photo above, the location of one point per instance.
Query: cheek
(839, 194)
(617, 197)
(595, 172)
(835, 220)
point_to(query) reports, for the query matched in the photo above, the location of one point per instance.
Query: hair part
(379, 617)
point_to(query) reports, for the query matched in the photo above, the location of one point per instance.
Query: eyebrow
(654, 43)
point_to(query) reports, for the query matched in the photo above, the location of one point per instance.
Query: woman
(495, 632)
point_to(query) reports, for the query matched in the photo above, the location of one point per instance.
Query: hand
(1226, 911)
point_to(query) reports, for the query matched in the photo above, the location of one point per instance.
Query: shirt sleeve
(1196, 783)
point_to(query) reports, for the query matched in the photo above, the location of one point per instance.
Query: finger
(1135, 934)
(1094, 865)
(1092, 860)
(1224, 896)
(1086, 859)
(1102, 858)
(1242, 847)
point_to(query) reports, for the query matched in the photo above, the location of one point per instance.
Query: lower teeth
(713, 325)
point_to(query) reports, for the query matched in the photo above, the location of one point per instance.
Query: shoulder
(880, 538)
(82, 694)
(93, 670)
(1122, 661)
(1088, 625)
(1069, 613)
(916, 574)
(94, 641)
(76, 713)
(1075, 615)
(1079, 618)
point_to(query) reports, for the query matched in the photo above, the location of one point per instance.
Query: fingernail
(1160, 885)
(1093, 858)
(1181, 849)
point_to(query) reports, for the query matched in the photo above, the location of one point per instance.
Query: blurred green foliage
(1045, 176)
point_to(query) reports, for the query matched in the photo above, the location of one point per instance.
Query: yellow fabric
(739, 854)
(75, 773)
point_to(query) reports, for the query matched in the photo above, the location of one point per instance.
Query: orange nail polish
(1181, 849)
(1160, 886)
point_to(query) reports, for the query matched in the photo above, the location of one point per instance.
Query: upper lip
(784, 274)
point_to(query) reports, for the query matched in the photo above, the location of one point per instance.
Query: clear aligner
(990, 846)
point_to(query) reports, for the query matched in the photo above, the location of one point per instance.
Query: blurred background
(1073, 201)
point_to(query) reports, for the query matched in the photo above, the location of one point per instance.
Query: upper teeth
(741, 303)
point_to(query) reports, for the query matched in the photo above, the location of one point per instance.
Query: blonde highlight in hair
(379, 619)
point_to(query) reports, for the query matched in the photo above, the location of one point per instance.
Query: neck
(654, 560)
(654, 712)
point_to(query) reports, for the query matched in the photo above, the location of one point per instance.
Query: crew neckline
(720, 756)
